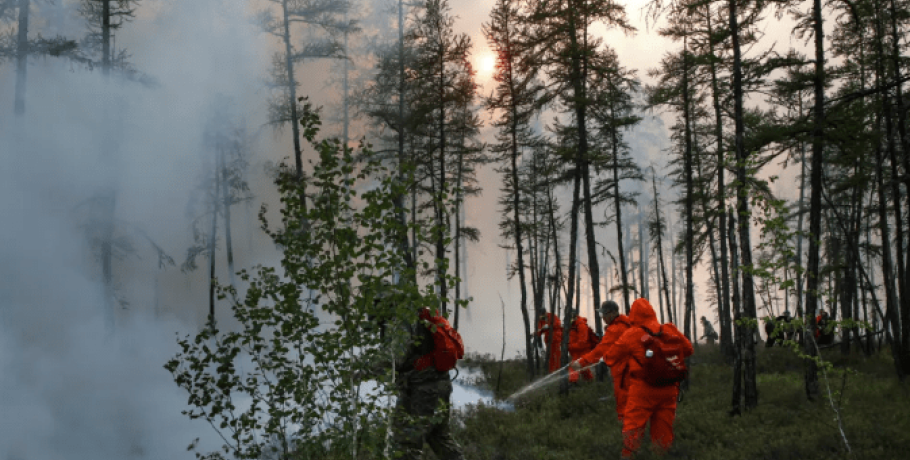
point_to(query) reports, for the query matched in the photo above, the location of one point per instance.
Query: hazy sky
(78, 388)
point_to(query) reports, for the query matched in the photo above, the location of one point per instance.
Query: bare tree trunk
(292, 89)
(558, 280)
(660, 255)
(726, 332)
(591, 243)
(617, 203)
(570, 294)
(226, 203)
(213, 235)
(642, 255)
(672, 306)
(21, 57)
(516, 222)
(109, 197)
(739, 330)
(106, 37)
(690, 235)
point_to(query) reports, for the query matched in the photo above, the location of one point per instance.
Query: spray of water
(544, 382)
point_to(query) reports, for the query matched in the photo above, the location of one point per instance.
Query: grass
(875, 408)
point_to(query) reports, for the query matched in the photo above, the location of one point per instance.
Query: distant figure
(710, 334)
(615, 325)
(546, 324)
(581, 340)
(785, 333)
(824, 334)
(656, 355)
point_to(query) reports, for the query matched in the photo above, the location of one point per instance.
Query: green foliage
(285, 384)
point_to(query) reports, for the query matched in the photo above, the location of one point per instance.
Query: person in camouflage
(423, 408)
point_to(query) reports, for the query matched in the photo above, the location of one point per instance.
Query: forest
(275, 179)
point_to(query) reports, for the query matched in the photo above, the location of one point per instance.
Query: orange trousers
(621, 395)
(648, 404)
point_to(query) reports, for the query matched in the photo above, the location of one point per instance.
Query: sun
(487, 64)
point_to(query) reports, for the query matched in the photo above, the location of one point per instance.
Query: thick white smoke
(73, 385)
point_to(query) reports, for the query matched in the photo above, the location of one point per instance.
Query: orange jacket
(628, 348)
(614, 330)
(554, 325)
(580, 336)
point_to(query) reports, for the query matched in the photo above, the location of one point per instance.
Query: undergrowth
(583, 425)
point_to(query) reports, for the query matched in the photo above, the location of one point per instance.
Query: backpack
(666, 366)
(448, 347)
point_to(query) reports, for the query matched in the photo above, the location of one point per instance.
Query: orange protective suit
(645, 402)
(619, 370)
(580, 338)
(544, 325)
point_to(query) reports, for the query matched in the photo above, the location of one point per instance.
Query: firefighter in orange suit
(646, 402)
(616, 325)
(581, 341)
(549, 326)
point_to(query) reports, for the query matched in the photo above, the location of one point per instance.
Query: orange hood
(642, 314)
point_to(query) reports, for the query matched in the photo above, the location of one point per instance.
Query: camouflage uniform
(422, 412)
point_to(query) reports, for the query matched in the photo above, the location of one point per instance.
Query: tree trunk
(109, 197)
(660, 254)
(815, 211)
(617, 203)
(738, 329)
(672, 306)
(690, 235)
(748, 293)
(903, 277)
(591, 243)
(106, 37)
(642, 255)
(516, 222)
(570, 294)
(399, 198)
(726, 342)
(292, 90)
(213, 236)
(442, 223)
(21, 57)
(558, 281)
(226, 200)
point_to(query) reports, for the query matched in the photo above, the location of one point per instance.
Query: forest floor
(544, 425)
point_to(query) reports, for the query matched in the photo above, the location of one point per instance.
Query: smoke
(75, 384)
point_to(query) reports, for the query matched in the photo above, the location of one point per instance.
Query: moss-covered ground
(545, 425)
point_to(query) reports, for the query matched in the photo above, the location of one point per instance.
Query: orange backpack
(666, 365)
(448, 347)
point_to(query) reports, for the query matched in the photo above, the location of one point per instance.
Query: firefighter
(649, 399)
(616, 324)
(550, 328)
